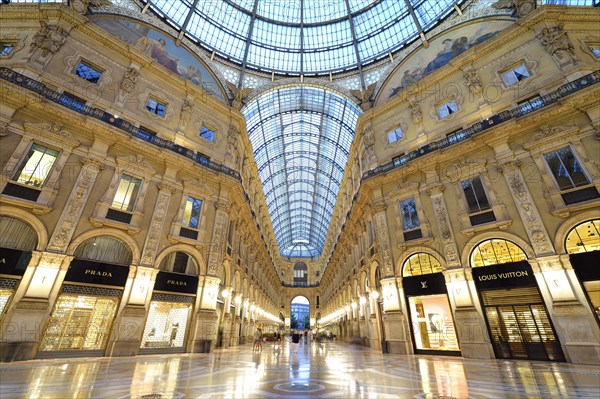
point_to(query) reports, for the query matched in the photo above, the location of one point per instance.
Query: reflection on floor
(329, 370)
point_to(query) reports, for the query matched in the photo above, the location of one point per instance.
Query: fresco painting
(162, 49)
(440, 51)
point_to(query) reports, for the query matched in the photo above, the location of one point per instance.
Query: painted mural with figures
(441, 50)
(164, 51)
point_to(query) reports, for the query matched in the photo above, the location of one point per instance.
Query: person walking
(296, 339)
(257, 340)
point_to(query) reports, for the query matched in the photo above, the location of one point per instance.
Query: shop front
(13, 263)
(17, 241)
(169, 314)
(84, 312)
(583, 246)
(515, 313)
(431, 321)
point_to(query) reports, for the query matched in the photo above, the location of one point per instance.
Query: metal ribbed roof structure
(301, 137)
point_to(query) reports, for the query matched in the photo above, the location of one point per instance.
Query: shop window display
(166, 325)
(432, 323)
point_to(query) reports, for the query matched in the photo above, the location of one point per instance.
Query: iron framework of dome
(301, 137)
(303, 37)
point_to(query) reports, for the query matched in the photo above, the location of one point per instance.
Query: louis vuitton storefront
(513, 307)
(431, 320)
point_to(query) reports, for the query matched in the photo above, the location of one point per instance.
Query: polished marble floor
(329, 370)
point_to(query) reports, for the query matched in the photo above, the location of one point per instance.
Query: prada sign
(87, 271)
(174, 282)
(506, 275)
(13, 261)
(586, 265)
(426, 284)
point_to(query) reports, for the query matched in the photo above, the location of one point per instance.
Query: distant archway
(300, 313)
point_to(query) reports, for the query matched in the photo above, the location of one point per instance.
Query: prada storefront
(431, 321)
(515, 312)
(17, 241)
(171, 305)
(84, 312)
(169, 315)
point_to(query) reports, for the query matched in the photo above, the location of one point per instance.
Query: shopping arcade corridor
(331, 369)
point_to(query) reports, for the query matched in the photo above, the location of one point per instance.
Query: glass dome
(303, 37)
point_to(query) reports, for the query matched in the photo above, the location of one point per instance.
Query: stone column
(204, 324)
(395, 325)
(23, 325)
(470, 325)
(217, 244)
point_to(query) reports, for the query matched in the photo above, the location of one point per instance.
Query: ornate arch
(563, 230)
(32, 221)
(473, 242)
(191, 251)
(373, 272)
(410, 252)
(107, 231)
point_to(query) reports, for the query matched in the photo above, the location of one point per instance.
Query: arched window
(420, 263)
(104, 249)
(496, 251)
(300, 272)
(584, 237)
(16, 234)
(179, 262)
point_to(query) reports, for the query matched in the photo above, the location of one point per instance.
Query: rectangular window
(88, 72)
(410, 218)
(6, 48)
(515, 74)
(475, 195)
(394, 135)
(126, 194)
(191, 213)
(446, 109)
(207, 133)
(156, 107)
(595, 51)
(36, 166)
(566, 169)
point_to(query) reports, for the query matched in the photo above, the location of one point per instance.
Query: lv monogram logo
(423, 284)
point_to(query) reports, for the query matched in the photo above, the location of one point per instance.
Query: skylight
(301, 137)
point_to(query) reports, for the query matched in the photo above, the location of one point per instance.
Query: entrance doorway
(300, 314)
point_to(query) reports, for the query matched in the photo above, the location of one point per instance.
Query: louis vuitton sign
(425, 284)
(86, 271)
(515, 274)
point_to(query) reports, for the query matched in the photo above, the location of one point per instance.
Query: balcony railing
(140, 133)
(473, 130)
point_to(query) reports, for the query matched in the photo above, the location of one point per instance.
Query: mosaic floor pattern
(329, 370)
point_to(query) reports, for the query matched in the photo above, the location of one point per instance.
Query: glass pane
(126, 193)
(433, 327)
(166, 325)
(410, 218)
(79, 322)
(566, 169)
(5, 295)
(584, 237)
(191, 213)
(496, 251)
(36, 166)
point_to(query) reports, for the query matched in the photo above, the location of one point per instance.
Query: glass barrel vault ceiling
(310, 37)
(301, 137)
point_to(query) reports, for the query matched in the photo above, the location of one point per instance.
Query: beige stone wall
(537, 221)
